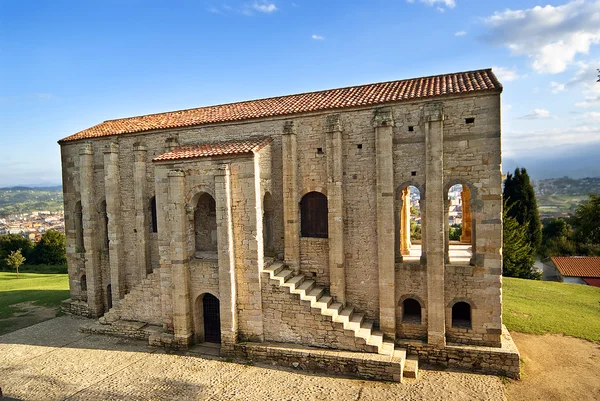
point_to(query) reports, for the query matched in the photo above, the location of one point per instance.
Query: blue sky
(68, 65)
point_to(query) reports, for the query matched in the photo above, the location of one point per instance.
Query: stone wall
(314, 259)
(75, 307)
(411, 282)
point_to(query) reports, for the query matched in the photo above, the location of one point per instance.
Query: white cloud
(460, 33)
(536, 114)
(45, 96)
(317, 37)
(592, 116)
(550, 36)
(264, 7)
(556, 87)
(505, 74)
(589, 101)
(525, 143)
(431, 3)
(586, 77)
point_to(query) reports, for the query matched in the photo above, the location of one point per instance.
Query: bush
(44, 269)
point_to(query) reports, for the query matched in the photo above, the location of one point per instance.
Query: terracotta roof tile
(577, 266)
(237, 147)
(331, 99)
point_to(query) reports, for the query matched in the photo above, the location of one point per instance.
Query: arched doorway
(210, 319)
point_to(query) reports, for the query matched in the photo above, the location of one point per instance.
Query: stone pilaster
(90, 226)
(140, 191)
(182, 317)
(335, 192)
(113, 210)
(383, 123)
(227, 284)
(434, 227)
(291, 214)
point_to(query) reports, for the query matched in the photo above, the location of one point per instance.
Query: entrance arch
(207, 319)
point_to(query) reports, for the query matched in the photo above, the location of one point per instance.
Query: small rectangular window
(411, 128)
(359, 146)
(319, 151)
(470, 120)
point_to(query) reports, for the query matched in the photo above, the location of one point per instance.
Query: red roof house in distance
(573, 269)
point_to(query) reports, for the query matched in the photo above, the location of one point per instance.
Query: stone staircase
(346, 315)
(141, 304)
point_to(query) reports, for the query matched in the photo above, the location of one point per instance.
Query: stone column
(335, 192)
(446, 228)
(291, 214)
(140, 191)
(434, 175)
(227, 287)
(383, 123)
(405, 221)
(466, 214)
(113, 210)
(90, 227)
(423, 210)
(182, 317)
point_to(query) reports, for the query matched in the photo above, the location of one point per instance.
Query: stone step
(274, 268)
(283, 275)
(294, 282)
(355, 321)
(365, 329)
(387, 348)
(323, 303)
(307, 285)
(411, 366)
(334, 309)
(376, 338)
(314, 294)
(344, 316)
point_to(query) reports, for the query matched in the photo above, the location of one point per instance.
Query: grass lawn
(540, 307)
(45, 290)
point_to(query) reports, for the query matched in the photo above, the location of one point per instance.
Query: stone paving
(52, 361)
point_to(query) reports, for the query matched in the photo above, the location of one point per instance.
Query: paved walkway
(52, 361)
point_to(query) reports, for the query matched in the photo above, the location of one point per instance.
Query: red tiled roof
(577, 266)
(332, 99)
(237, 147)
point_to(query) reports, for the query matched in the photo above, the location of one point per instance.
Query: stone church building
(281, 227)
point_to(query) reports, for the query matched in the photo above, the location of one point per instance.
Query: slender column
(113, 210)
(291, 214)
(446, 229)
(398, 231)
(140, 191)
(88, 210)
(434, 170)
(383, 122)
(405, 221)
(335, 192)
(466, 214)
(182, 318)
(227, 287)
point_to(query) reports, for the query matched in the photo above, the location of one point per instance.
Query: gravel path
(52, 361)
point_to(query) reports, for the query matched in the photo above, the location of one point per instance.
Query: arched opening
(461, 315)
(459, 225)
(207, 319)
(104, 225)
(269, 249)
(153, 219)
(409, 229)
(205, 224)
(109, 302)
(83, 287)
(314, 215)
(411, 311)
(79, 246)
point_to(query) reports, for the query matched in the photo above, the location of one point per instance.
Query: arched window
(461, 315)
(409, 247)
(411, 311)
(153, 219)
(314, 215)
(205, 223)
(459, 228)
(79, 228)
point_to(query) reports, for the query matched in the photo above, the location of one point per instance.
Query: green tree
(517, 255)
(455, 232)
(521, 205)
(12, 242)
(51, 249)
(557, 237)
(15, 259)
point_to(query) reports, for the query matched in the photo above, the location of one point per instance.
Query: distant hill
(33, 188)
(17, 200)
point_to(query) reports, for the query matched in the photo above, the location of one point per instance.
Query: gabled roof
(332, 99)
(235, 147)
(577, 266)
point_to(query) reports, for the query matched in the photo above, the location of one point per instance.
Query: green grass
(42, 289)
(540, 307)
